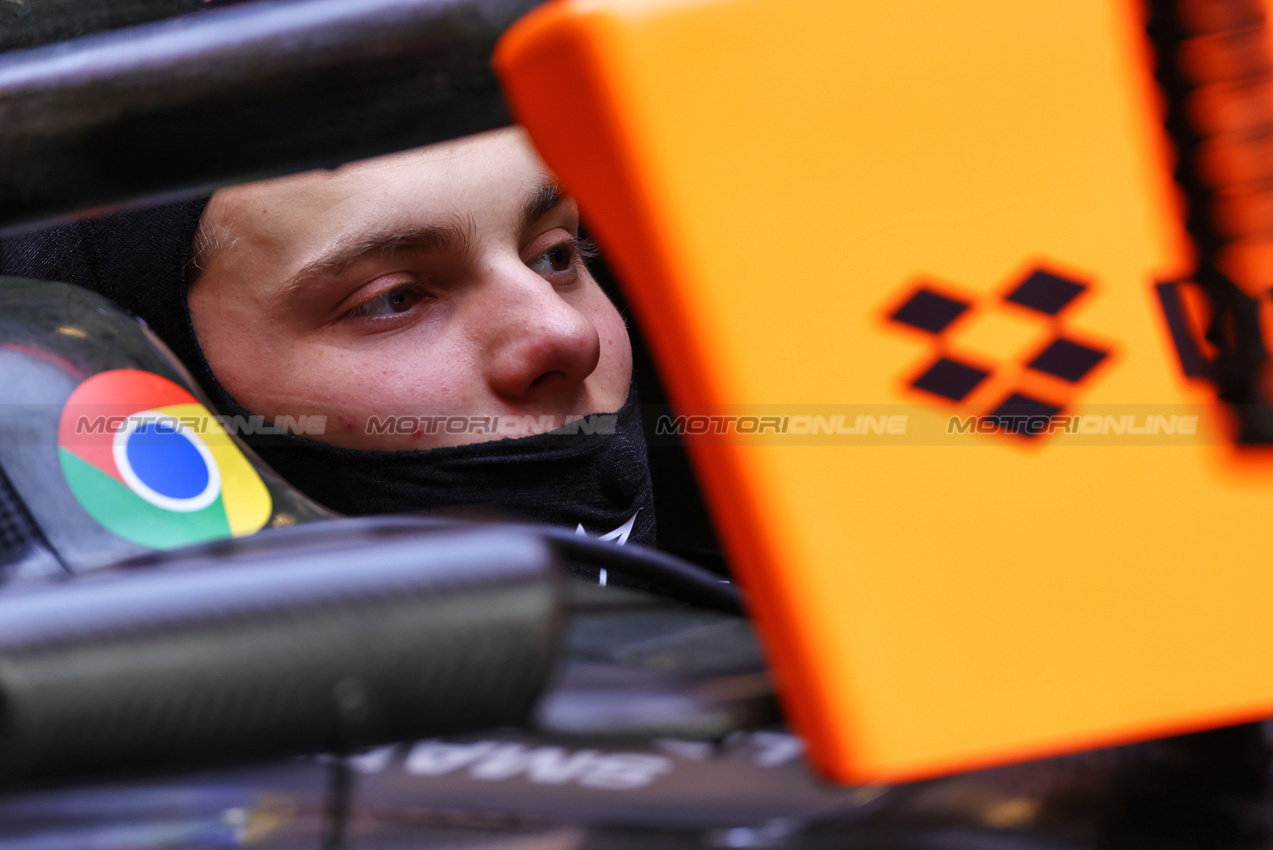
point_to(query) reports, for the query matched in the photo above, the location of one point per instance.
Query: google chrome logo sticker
(152, 465)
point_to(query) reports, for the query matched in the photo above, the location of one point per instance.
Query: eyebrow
(540, 203)
(457, 236)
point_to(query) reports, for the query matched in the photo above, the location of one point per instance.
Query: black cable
(680, 578)
(673, 576)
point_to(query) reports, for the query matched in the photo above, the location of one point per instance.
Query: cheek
(411, 392)
(396, 379)
(615, 368)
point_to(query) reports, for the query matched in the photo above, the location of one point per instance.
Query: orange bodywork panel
(953, 213)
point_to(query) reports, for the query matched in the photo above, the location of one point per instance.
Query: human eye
(561, 260)
(391, 302)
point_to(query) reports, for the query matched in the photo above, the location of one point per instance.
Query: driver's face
(440, 282)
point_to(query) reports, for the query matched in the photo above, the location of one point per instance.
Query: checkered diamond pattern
(1045, 294)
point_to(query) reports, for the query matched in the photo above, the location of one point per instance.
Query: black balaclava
(598, 482)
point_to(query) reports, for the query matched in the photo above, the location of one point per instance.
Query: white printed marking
(619, 535)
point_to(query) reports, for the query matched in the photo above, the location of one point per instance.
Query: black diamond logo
(1046, 292)
(1023, 415)
(929, 311)
(1067, 360)
(950, 379)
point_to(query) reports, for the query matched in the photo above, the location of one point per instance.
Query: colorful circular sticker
(151, 464)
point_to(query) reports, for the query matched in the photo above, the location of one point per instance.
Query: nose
(539, 346)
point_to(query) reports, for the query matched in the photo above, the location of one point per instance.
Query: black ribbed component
(30, 24)
(243, 653)
(1235, 325)
(241, 92)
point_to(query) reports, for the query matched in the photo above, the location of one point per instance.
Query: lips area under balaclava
(598, 482)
